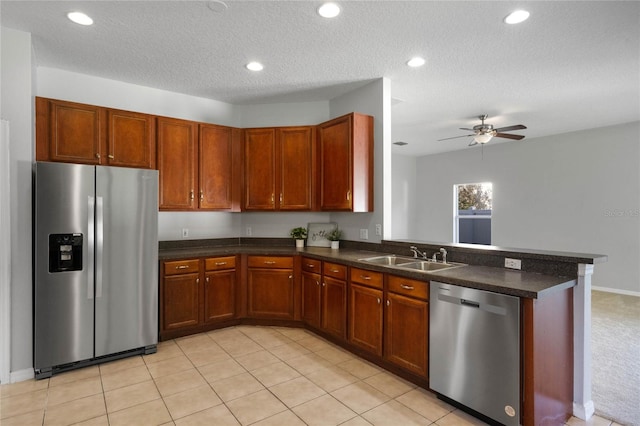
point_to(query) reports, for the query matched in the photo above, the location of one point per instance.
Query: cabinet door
(334, 306)
(295, 160)
(76, 132)
(365, 318)
(177, 163)
(259, 169)
(219, 295)
(181, 295)
(216, 168)
(131, 139)
(270, 293)
(406, 337)
(311, 299)
(334, 139)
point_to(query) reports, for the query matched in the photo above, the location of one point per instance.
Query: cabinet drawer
(334, 270)
(277, 262)
(311, 265)
(181, 267)
(368, 278)
(220, 263)
(409, 287)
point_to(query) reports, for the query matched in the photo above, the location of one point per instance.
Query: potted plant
(299, 234)
(334, 236)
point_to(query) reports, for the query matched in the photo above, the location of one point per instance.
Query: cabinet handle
(111, 156)
(317, 282)
(309, 265)
(207, 279)
(98, 156)
(269, 262)
(335, 271)
(281, 198)
(388, 303)
(182, 267)
(221, 263)
(324, 284)
(406, 287)
(197, 280)
(348, 195)
(378, 300)
(365, 277)
(290, 277)
(201, 195)
(191, 195)
(273, 198)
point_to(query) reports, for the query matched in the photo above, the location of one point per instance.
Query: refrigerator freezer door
(126, 259)
(63, 284)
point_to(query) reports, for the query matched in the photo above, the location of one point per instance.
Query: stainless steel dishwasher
(474, 350)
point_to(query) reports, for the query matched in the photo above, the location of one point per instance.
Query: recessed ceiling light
(516, 17)
(80, 18)
(416, 62)
(254, 66)
(329, 10)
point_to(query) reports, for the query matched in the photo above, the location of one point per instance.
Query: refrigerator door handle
(99, 244)
(90, 244)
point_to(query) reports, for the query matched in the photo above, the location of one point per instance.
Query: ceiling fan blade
(456, 137)
(473, 143)
(466, 128)
(510, 128)
(508, 136)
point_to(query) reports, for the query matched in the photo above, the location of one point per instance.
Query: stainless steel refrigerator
(95, 264)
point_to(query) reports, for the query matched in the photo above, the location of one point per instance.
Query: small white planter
(335, 245)
(299, 243)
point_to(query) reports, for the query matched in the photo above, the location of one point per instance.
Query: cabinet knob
(98, 156)
(281, 198)
(406, 287)
(197, 280)
(290, 277)
(111, 156)
(388, 302)
(378, 300)
(273, 198)
(317, 282)
(324, 284)
(207, 279)
(201, 195)
(191, 195)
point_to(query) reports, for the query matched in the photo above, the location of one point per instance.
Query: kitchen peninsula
(337, 295)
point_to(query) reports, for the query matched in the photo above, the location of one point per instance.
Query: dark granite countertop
(500, 280)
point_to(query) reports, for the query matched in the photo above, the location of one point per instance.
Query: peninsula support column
(583, 407)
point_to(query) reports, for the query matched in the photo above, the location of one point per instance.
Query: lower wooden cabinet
(311, 291)
(195, 293)
(334, 299)
(365, 310)
(407, 324)
(270, 287)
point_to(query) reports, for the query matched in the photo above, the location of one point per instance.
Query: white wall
(403, 198)
(373, 99)
(17, 109)
(289, 114)
(577, 192)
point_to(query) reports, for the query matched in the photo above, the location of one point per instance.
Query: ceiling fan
(483, 133)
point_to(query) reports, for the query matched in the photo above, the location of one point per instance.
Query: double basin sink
(411, 263)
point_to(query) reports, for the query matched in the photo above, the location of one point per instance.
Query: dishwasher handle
(469, 303)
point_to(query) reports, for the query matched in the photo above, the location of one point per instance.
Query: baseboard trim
(585, 411)
(616, 291)
(22, 375)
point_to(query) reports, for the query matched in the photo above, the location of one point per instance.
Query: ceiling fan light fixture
(80, 18)
(483, 138)
(516, 17)
(329, 10)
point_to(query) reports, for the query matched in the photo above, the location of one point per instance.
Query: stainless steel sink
(424, 265)
(389, 260)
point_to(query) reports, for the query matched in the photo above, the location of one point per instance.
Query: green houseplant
(299, 234)
(334, 236)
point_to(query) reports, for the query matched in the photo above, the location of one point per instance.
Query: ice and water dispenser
(65, 252)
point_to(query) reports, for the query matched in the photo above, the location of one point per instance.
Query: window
(472, 213)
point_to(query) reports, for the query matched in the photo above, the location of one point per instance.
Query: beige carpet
(616, 357)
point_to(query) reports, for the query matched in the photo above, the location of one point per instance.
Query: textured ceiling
(573, 65)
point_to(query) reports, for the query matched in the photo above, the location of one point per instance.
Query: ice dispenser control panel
(65, 252)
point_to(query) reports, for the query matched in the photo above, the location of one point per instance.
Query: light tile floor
(235, 376)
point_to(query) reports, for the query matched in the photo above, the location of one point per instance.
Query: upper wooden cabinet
(87, 134)
(345, 171)
(278, 168)
(220, 184)
(177, 163)
(199, 165)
